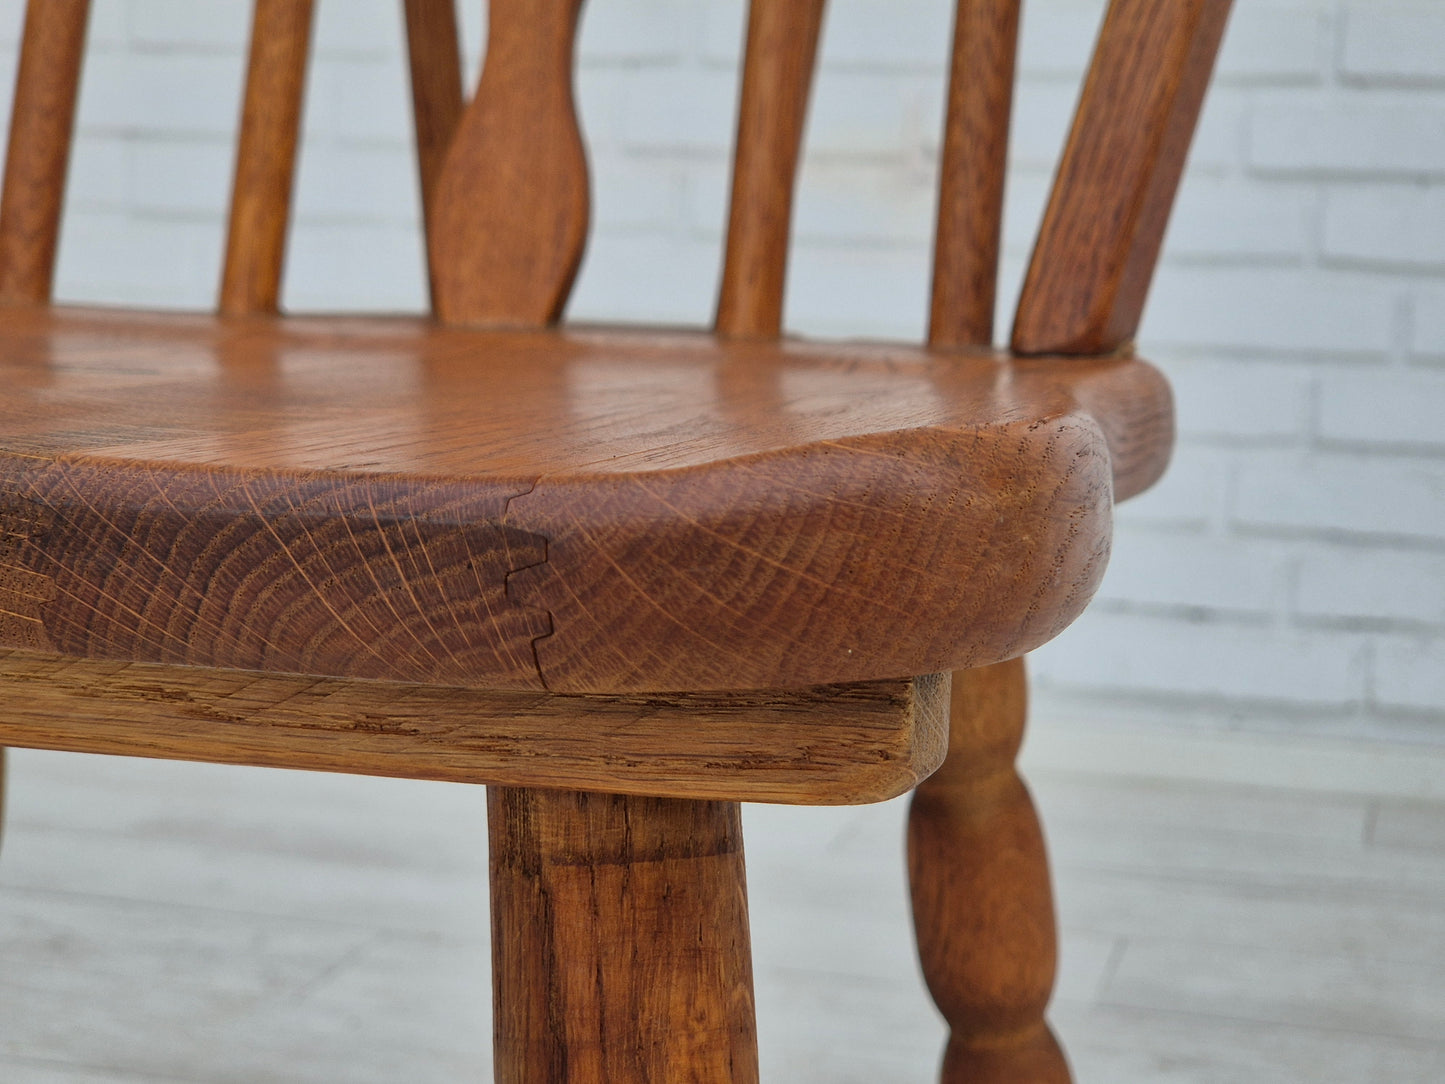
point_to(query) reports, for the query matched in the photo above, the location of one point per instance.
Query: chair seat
(588, 510)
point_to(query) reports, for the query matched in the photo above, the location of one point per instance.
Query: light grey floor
(167, 922)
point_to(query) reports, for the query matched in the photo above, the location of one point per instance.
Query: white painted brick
(1393, 43)
(882, 34)
(1411, 674)
(845, 291)
(12, 19)
(1057, 38)
(706, 189)
(1220, 138)
(1385, 408)
(1042, 113)
(635, 31)
(180, 177)
(107, 25)
(98, 176)
(601, 92)
(856, 112)
(353, 267)
(173, 93)
(724, 23)
(1380, 497)
(187, 25)
(366, 183)
(1023, 210)
(8, 63)
(636, 193)
(1381, 136)
(1372, 584)
(116, 258)
(1246, 399)
(646, 278)
(362, 99)
(855, 201)
(1388, 224)
(1190, 496)
(1104, 651)
(1173, 570)
(679, 109)
(358, 28)
(1429, 324)
(1274, 43)
(1220, 219)
(1010, 285)
(1288, 309)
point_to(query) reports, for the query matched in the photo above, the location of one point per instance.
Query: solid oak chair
(626, 578)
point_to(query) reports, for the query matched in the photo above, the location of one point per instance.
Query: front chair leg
(982, 905)
(620, 947)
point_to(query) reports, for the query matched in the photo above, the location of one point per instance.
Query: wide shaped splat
(584, 511)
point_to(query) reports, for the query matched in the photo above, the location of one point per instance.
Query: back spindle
(782, 44)
(509, 213)
(35, 165)
(435, 59)
(266, 157)
(975, 157)
(1096, 251)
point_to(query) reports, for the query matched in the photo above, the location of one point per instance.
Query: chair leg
(620, 947)
(982, 904)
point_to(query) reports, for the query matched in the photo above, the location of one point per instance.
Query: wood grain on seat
(583, 511)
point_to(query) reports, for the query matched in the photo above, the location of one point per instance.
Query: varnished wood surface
(266, 157)
(982, 902)
(509, 216)
(1091, 269)
(620, 948)
(36, 162)
(971, 182)
(834, 745)
(589, 511)
(782, 45)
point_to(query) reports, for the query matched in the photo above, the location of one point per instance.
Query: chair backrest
(505, 187)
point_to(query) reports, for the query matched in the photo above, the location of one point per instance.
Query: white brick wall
(1291, 567)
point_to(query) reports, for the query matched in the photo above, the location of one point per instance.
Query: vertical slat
(40, 130)
(975, 157)
(782, 44)
(436, 88)
(1094, 260)
(983, 906)
(510, 209)
(620, 947)
(266, 157)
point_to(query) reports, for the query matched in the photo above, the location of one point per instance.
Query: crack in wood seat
(581, 511)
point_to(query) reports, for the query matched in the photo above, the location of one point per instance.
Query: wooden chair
(626, 578)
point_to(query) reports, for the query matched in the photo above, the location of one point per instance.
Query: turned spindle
(982, 903)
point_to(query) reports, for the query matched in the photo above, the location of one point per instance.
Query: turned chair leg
(982, 905)
(620, 947)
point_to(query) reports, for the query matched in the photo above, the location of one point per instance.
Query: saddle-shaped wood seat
(579, 511)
